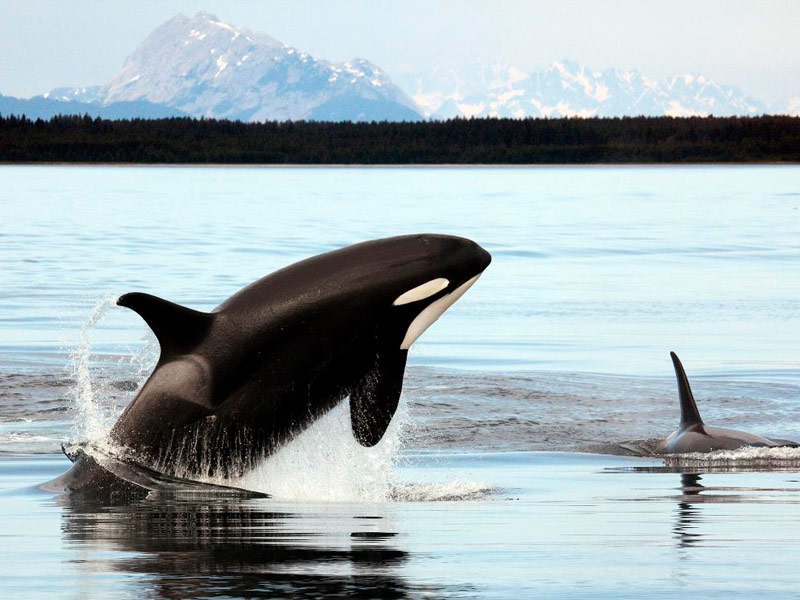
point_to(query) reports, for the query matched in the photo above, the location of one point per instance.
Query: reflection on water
(743, 504)
(556, 525)
(688, 513)
(212, 547)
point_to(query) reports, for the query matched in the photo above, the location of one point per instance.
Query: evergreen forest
(459, 141)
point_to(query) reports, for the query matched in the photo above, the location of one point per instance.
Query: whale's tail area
(689, 413)
(177, 328)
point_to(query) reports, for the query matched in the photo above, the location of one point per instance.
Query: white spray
(90, 422)
(326, 463)
(96, 402)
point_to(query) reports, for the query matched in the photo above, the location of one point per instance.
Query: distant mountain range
(568, 89)
(204, 67)
(46, 108)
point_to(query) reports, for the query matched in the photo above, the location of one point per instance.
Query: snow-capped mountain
(567, 89)
(204, 67)
(208, 68)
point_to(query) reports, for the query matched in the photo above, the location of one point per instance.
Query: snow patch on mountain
(568, 89)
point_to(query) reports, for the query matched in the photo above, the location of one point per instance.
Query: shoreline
(599, 165)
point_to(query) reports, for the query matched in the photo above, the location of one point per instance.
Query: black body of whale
(234, 384)
(693, 435)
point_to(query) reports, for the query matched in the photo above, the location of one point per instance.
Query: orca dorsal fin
(689, 413)
(177, 328)
(374, 400)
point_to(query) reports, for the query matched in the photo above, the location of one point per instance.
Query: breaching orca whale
(693, 435)
(234, 384)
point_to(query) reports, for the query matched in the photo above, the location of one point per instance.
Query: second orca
(693, 435)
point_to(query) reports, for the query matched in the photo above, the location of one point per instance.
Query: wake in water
(747, 458)
(743, 459)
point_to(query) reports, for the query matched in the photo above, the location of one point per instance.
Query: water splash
(91, 422)
(452, 491)
(326, 463)
(100, 392)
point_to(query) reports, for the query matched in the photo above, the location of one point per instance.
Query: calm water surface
(595, 269)
(555, 526)
(562, 345)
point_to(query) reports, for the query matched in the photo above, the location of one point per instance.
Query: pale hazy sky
(752, 44)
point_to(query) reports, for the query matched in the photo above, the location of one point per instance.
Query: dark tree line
(459, 141)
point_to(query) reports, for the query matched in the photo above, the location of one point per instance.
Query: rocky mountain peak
(206, 67)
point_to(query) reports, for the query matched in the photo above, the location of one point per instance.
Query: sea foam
(747, 458)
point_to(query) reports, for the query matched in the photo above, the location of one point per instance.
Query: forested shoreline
(459, 141)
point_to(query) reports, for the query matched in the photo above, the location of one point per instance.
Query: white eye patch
(427, 289)
(432, 312)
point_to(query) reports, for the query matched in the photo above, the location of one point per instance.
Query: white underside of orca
(432, 312)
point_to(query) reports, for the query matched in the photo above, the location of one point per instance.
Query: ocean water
(484, 486)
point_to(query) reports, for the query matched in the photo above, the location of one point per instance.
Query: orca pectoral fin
(374, 401)
(177, 328)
